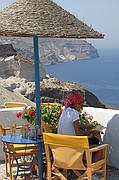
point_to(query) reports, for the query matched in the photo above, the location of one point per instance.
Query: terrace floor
(112, 173)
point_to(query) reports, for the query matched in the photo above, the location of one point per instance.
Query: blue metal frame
(23, 166)
(17, 139)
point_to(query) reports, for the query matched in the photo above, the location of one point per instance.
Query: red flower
(28, 113)
(35, 119)
(19, 114)
(32, 112)
(48, 105)
(90, 117)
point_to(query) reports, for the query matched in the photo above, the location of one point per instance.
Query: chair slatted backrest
(46, 127)
(68, 151)
(14, 104)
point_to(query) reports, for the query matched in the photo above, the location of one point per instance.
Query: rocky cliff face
(52, 90)
(7, 50)
(13, 63)
(60, 50)
(54, 50)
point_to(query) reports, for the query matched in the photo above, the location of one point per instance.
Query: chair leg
(59, 174)
(89, 174)
(77, 173)
(104, 171)
(48, 171)
(6, 164)
(10, 168)
(65, 173)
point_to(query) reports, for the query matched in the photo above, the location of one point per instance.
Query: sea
(98, 75)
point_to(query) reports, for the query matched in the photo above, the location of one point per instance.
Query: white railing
(107, 117)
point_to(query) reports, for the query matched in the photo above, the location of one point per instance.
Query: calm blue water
(98, 75)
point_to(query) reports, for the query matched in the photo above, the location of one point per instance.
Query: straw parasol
(44, 19)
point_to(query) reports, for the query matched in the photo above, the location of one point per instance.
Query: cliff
(13, 63)
(52, 90)
(53, 51)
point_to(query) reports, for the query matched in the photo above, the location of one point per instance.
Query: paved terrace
(112, 173)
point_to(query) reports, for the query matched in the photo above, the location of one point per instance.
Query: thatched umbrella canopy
(41, 18)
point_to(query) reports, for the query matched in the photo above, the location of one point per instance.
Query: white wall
(110, 119)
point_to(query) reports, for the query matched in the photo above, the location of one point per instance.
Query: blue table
(17, 139)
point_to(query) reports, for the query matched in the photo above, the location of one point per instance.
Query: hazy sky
(103, 15)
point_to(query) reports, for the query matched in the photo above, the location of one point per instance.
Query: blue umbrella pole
(38, 114)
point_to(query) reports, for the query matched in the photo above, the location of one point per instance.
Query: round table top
(17, 139)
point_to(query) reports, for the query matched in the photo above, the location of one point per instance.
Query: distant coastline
(54, 51)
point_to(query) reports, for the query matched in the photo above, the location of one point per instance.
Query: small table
(17, 139)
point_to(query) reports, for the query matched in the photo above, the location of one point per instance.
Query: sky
(102, 15)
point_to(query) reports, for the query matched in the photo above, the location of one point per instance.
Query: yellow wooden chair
(18, 150)
(46, 127)
(3, 132)
(68, 154)
(13, 104)
(50, 104)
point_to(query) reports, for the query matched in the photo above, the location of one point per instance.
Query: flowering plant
(50, 114)
(29, 113)
(87, 118)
